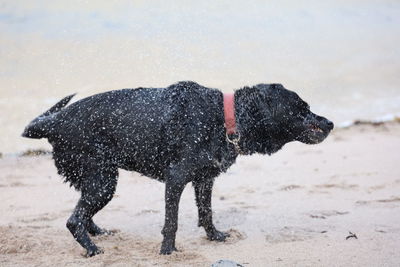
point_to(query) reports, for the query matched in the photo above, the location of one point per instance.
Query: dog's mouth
(312, 134)
(315, 129)
(315, 134)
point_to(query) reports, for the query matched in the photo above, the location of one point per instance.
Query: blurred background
(343, 57)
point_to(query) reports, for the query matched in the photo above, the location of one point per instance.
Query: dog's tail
(41, 126)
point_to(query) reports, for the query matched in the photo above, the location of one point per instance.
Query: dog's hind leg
(203, 192)
(97, 191)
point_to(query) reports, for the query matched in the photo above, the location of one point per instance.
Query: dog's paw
(217, 236)
(167, 249)
(93, 252)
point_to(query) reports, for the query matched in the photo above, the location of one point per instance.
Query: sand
(294, 208)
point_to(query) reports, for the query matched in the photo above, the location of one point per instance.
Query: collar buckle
(235, 142)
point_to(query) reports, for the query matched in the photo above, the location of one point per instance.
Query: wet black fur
(175, 135)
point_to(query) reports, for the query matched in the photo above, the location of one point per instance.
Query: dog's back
(143, 129)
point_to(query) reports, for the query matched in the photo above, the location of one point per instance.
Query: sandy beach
(295, 208)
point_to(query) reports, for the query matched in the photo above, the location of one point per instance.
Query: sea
(342, 57)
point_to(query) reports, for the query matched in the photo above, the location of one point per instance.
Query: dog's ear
(275, 86)
(250, 100)
(268, 91)
(261, 97)
(250, 93)
(269, 97)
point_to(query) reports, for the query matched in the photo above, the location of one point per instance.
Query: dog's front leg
(173, 191)
(203, 192)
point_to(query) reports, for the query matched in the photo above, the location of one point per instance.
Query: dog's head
(274, 116)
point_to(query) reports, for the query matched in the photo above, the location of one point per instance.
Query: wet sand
(293, 208)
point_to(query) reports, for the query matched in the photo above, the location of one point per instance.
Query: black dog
(176, 135)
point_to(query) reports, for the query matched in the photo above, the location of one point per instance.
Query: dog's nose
(329, 124)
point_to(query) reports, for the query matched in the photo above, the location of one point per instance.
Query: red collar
(229, 113)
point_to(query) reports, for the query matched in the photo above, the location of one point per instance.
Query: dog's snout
(325, 123)
(329, 124)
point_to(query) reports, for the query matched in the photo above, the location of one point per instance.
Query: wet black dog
(175, 135)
